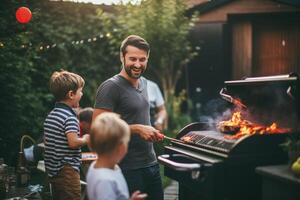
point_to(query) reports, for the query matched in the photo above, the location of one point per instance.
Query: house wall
(276, 46)
(240, 39)
(209, 70)
(265, 44)
(220, 14)
(241, 49)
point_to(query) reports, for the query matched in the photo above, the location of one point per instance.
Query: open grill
(212, 164)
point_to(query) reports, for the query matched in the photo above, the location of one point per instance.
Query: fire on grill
(239, 127)
(217, 161)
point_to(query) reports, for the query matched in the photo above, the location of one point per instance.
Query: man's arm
(146, 132)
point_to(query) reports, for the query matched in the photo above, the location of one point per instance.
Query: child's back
(109, 138)
(105, 183)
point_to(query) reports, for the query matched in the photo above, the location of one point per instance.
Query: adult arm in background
(161, 117)
(148, 133)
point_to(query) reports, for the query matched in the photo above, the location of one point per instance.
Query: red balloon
(23, 15)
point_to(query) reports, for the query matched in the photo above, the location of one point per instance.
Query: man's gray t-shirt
(118, 95)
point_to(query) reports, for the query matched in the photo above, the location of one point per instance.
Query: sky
(108, 2)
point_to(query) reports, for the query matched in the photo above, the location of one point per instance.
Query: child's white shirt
(106, 184)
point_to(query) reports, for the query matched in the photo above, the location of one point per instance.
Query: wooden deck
(171, 191)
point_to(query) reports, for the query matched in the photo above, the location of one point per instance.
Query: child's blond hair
(107, 132)
(62, 82)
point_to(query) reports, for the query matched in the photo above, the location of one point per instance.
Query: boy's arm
(76, 142)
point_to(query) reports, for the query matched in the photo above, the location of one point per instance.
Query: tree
(164, 25)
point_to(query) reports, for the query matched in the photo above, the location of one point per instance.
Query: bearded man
(126, 94)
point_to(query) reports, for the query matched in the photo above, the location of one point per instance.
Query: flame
(244, 127)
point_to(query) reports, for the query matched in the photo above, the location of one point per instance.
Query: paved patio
(171, 192)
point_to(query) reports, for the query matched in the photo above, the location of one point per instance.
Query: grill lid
(267, 99)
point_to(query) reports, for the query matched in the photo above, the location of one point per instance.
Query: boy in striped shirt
(62, 141)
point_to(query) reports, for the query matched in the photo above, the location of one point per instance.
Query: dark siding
(276, 47)
(210, 69)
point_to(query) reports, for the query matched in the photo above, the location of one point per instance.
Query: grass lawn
(165, 180)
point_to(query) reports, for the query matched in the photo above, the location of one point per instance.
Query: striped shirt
(59, 122)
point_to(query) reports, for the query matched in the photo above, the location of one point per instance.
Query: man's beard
(130, 71)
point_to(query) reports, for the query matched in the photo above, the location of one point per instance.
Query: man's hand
(148, 133)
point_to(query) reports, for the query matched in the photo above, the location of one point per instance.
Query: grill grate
(209, 139)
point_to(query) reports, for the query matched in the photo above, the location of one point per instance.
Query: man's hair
(136, 41)
(107, 132)
(86, 114)
(62, 82)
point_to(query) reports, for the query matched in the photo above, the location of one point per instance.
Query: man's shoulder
(112, 81)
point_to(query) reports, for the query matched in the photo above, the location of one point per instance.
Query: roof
(212, 4)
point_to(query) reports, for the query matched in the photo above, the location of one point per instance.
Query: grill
(212, 165)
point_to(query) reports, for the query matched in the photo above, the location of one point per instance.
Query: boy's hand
(137, 195)
(86, 138)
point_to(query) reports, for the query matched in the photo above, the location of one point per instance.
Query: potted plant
(292, 146)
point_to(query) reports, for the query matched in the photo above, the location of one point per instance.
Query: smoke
(265, 105)
(215, 111)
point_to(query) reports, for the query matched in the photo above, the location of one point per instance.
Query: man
(126, 94)
(158, 113)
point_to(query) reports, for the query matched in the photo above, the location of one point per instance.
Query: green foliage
(177, 119)
(163, 24)
(292, 143)
(25, 69)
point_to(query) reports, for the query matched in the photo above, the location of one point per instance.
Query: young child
(61, 131)
(85, 120)
(109, 139)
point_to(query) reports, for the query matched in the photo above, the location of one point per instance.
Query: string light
(73, 42)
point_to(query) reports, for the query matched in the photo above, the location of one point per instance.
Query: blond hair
(62, 82)
(108, 130)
